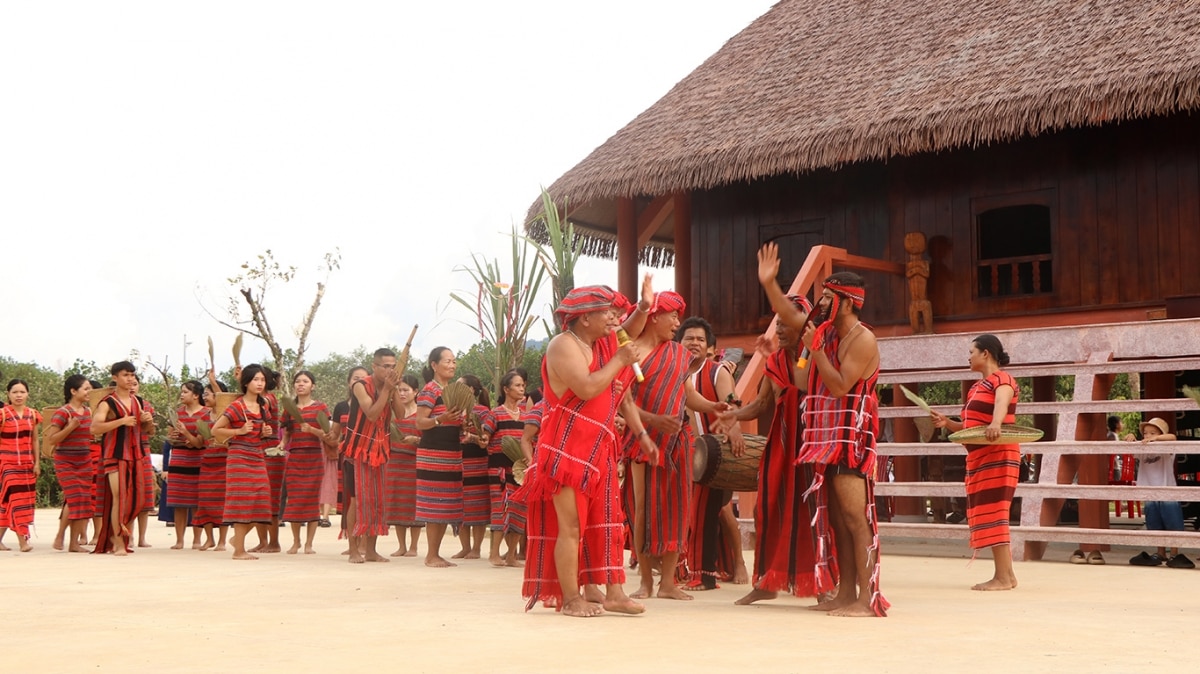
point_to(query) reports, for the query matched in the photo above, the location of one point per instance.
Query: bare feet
(58, 543)
(672, 592)
(294, 549)
(401, 553)
(272, 548)
(623, 605)
(740, 575)
(258, 548)
(244, 555)
(411, 553)
(356, 558)
(75, 548)
(855, 610)
(198, 546)
(996, 584)
(177, 546)
(513, 562)
(496, 560)
(834, 604)
(461, 554)
(308, 550)
(219, 548)
(118, 546)
(144, 544)
(472, 555)
(25, 546)
(3, 548)
(438, 563)
(593, 594)
(643, 591)
(207, 546)
(373, 556)
(578, 607)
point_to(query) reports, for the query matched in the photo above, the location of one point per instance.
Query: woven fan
(1009, 434)
(203, 429)
(395, 435)
(916, 399)
(512, 448)
(520, 467)
(277, 450)
(292, 409)
(323, 420)
(458, 397)
(1193, 393)
(237, 351)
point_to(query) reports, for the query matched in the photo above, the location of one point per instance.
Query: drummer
(992, 469)
(714, 549)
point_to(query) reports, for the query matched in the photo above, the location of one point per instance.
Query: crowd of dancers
(628, 388)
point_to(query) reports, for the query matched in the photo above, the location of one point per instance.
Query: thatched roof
(817, 84)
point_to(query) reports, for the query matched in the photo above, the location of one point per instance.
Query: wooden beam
(651, 219)
(683, 244)
(627, 248)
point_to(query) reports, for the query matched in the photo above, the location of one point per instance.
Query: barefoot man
(785, 547)
(574, 529)
(372, 402)
(120, 421)
(840, 424)
(661, 512)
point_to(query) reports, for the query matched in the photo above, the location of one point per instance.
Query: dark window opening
(1015, 252)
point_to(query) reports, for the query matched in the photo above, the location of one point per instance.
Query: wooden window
(1014, 252)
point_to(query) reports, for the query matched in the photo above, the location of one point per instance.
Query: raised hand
(647, 291)
(768, 263)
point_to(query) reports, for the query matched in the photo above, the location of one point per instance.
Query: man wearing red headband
(659, 491)
(840, 425)
(572, 490)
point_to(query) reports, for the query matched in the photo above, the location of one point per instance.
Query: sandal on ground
(1181, 562)
(1144, 559)
(1078, 557)
(1095, 558)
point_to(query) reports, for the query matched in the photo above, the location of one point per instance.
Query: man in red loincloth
(121, 421)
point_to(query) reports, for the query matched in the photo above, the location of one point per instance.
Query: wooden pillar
(627, 248)
(907, 468)
(683, 246)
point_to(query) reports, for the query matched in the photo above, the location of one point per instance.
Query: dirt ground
(191, 611)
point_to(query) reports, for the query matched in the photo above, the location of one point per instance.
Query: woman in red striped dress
(19, 464)
(187, 452)
(306, 444)
(477, 503)
(508, 516)
(210, 491)
(439, 456)
(71, 436)
(247, 487)
(992, 470)
(402, 471)
(276, 462)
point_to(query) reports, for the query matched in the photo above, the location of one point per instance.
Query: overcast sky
(148, 149)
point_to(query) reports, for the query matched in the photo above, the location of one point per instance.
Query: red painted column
(627, 248)
(683, 246)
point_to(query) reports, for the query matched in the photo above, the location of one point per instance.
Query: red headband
(584, 300)
(667, 301)
(853, 293)
(801, 303)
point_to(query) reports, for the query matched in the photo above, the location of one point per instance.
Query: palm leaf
(237, 350)
(323, 421)
(204, 430)
(511, 448)
(292, 408)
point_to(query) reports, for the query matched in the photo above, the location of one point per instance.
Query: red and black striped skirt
(440, 476)
(210, 497)
(146, 489)
(185, 477)
(276, 467)
(402, 488)
(77, 479)
(303, 476)
(477, 499)
(247, 487)
(18, 496)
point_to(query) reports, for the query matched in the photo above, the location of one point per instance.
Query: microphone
(802, 361)
(622, 340)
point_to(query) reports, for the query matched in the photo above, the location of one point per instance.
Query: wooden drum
(715, 466)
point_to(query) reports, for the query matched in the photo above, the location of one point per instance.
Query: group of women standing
(254, 464)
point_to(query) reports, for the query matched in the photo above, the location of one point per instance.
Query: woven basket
(1009, 434)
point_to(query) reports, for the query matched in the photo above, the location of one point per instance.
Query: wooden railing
(819, 264)
(1083, 352)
